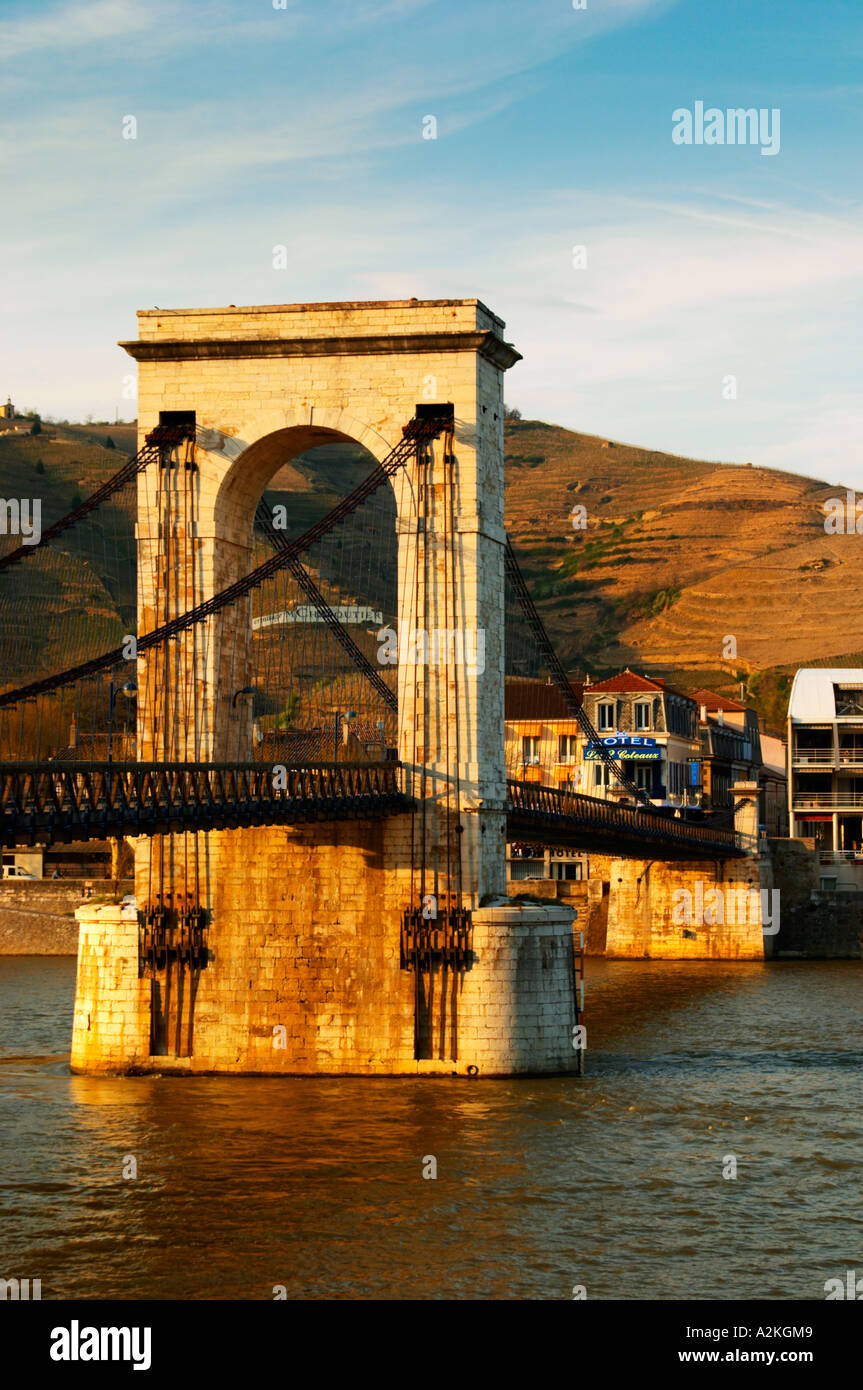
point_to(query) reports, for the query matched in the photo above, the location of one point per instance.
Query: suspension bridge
(284, 626)
(51, 791)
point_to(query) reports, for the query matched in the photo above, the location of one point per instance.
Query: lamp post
(244, 690)
(128, 689)
(341, 718)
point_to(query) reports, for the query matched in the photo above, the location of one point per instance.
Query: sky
(714, 310)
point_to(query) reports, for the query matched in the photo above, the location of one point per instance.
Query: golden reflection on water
(612, 1180)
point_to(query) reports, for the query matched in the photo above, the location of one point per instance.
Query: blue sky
(303, 126)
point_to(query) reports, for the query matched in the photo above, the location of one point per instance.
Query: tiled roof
(536, 699)
(716, 702)
(628, 682)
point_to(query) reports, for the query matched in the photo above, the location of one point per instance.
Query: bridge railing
(149, 798)
(152, 797)
(553, 804)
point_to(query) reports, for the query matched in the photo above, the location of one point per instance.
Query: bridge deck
(50, 802)
(45, 802)
(551, 816)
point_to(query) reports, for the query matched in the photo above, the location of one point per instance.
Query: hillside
(678, 554)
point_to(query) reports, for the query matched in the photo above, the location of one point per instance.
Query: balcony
(812, 757)
(827, 801)
(825, 757)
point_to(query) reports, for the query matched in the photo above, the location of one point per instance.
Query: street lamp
(129, 689)
(245, 690)
(345, 718)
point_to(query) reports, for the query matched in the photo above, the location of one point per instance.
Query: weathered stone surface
(301, 984)
(37, 918)
(644, 908)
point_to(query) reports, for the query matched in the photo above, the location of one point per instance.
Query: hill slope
(677, 556)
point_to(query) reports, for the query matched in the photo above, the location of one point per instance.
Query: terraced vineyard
(672, 557)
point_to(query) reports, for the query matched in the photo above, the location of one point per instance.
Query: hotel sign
(631, 748)
(629, 755)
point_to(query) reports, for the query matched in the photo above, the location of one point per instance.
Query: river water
(613, 1181)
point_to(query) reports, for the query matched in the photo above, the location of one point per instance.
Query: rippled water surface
(613, 1180)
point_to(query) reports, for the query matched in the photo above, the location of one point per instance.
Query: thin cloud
(74, 26)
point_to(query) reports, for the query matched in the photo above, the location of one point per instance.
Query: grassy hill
(677, 556)
(77, 597)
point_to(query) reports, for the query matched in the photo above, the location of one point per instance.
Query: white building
(825, 761)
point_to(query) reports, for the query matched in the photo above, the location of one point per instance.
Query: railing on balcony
(827, 801)
(825, 757)
(816, 757)
(841, 856)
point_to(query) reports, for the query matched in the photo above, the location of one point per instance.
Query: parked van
(13, 871)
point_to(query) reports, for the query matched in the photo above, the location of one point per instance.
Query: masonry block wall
(644, 918)
(305, 976)
(814, 925)
(37, 917)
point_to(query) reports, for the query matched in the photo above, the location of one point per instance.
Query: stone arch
(234, 471)
(242, 464)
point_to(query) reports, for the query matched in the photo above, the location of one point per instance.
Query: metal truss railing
(97, 800)
(536, 807)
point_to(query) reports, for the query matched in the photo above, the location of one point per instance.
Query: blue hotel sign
(629, 747)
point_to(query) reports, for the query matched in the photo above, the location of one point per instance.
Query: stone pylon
(305, 971)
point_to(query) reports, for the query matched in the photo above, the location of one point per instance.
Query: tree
(36, 427)
(511, 412)
(40, 467)
(289, 713)
(109, 443)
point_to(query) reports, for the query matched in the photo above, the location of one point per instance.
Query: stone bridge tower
(304, 972)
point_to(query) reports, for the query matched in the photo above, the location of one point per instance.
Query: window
(677, 778)
(642, 776)
(642, 715)
(569, 872)
(526, 868)
(605, 715)
(177, 417)
(530, 750)
(681, 718)
(567, 745)
(848, 701)
(601, 775)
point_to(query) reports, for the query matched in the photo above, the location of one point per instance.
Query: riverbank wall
(37, 916)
